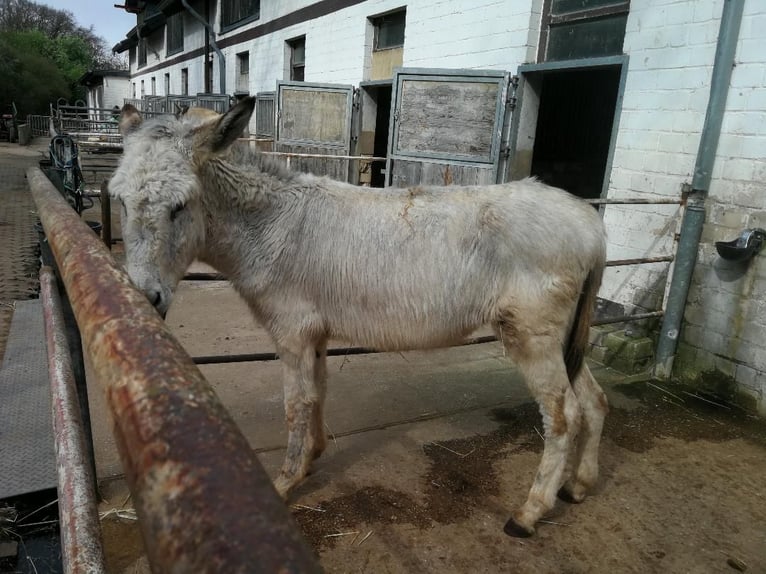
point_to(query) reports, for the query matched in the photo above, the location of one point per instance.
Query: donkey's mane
(248, 159)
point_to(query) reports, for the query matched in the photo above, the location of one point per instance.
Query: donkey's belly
(397, 333)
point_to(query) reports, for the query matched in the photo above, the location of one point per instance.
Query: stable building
(605, 98)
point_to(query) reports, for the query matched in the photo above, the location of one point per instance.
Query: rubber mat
(27, 457)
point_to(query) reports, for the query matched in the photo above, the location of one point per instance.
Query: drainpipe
(211, 35)
(694, 216)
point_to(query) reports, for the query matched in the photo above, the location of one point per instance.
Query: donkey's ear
(130, 119)
(231, 125)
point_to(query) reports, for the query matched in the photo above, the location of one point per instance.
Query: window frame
(141, 53)
(243, 71)
(376, 25)
(549, 19)
(178, 19)
(227, 26)
(292, 43)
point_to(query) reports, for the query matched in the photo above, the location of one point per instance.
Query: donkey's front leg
(304, 384)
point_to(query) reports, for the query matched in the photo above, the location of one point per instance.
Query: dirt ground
(430, 451)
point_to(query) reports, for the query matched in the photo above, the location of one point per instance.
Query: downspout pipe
(210, 34)
(694, 216)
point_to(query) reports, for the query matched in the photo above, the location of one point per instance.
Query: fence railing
(39, 125)
(204, 502)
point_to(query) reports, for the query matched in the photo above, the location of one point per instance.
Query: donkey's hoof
(513, 528)
(283, 486)
(565, 495)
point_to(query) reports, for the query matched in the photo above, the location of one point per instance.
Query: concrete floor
(432, 450)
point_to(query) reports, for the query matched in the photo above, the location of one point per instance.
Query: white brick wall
(671, 47)
(484, 34)
(115, 91)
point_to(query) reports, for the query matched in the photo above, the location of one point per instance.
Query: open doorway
(376, 115)
(573, 131)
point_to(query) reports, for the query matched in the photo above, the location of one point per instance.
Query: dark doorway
(574, 128)
(382, 117)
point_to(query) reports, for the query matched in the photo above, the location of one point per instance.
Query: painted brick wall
(671, 46)
(487, 34)
(115, 91)
(725, 325)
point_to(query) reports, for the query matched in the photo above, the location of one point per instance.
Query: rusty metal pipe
(205, 503)
(81, 545)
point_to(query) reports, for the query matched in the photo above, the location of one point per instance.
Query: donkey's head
(157, 184)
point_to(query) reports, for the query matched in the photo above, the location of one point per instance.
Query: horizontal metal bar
(199, 276)
(627, 318)
(321, 155)
(634, 201)
(335, 352)
(640, 260)
(81, 542)
(205, 503)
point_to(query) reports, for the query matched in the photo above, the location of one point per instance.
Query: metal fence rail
(204, 502)
(81, 543)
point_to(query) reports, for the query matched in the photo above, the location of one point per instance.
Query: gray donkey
(393, 269)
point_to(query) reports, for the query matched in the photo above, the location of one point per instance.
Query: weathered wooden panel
(314, 116)
(332, 168)
(264, 114)
(406, 173)
(447, 118)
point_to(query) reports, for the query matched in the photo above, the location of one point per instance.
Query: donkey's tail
(577, 343)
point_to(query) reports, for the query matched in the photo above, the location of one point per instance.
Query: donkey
(391, 269)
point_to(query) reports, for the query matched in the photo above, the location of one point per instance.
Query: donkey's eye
(176, 211)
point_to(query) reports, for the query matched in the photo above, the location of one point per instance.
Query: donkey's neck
(250, 214)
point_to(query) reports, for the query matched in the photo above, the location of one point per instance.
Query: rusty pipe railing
(81, 547)
(204, 502)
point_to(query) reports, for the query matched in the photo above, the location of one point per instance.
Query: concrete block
(627, 354)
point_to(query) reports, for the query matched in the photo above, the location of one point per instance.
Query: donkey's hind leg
(584, 461)
(304, 384)
(540, 359)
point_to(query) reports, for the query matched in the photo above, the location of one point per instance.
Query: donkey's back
(424, 266)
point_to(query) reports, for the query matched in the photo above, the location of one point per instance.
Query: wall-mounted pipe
(81, 545)
(211, 35)
(694, 216)
(204, 502)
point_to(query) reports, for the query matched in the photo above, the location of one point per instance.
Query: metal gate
(315, 119)
(448, 126)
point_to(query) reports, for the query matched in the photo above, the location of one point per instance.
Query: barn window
(243, 72)
(573, 29)
(237, 12)
(297, 58)
(175, 34)
(142, 52)
(167, 84)
(185, 81)
(389, 30)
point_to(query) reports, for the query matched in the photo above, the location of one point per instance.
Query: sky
(109, 22)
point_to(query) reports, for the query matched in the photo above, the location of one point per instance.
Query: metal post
(694, 217)
(81, 544)
(106, 215)
(204, 502)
